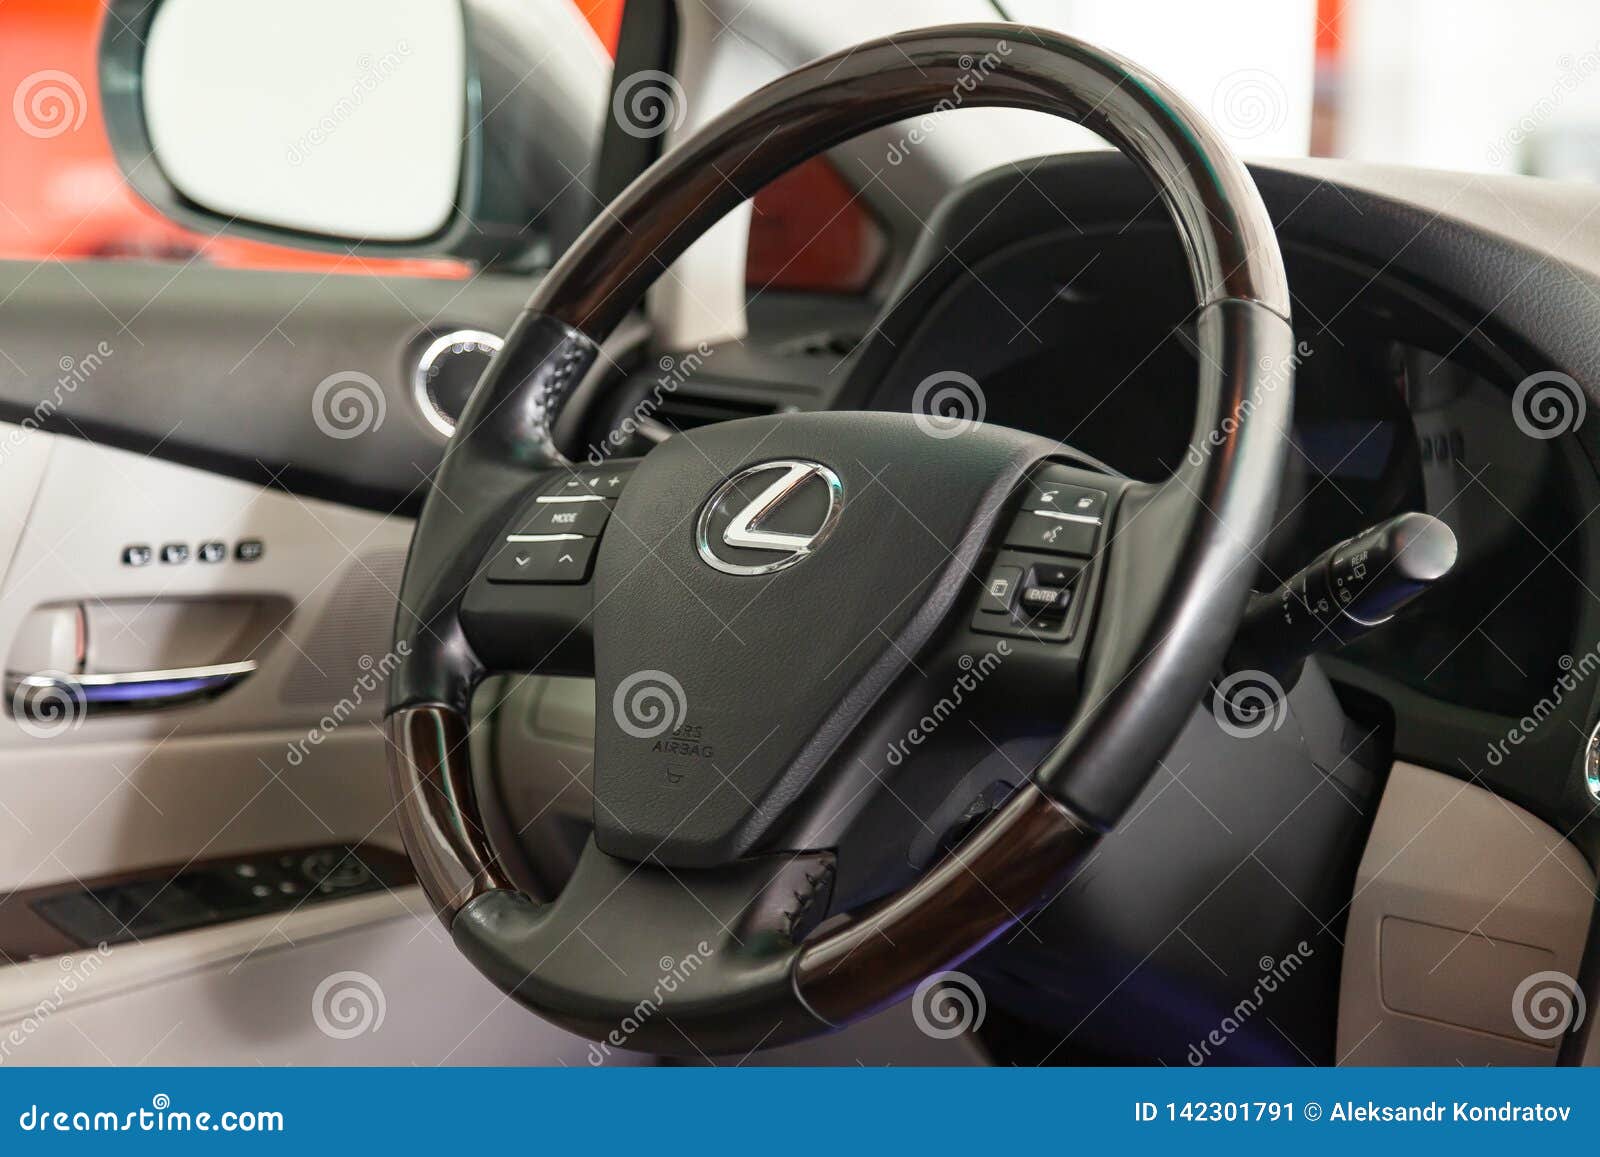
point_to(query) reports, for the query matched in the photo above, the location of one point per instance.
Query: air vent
(683, 410)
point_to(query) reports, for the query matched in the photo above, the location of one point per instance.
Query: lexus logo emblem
(770, 516)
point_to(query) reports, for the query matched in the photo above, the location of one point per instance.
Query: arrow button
(542, 558)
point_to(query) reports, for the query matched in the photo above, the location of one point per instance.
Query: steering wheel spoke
(960, 729)
(530, 605)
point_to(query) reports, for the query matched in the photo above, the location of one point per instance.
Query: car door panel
(145, 405)
(289, 758)
(224, 369)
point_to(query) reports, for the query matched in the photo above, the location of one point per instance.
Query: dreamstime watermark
(74, 372)
(649, 103)
(1547, 1005)
(160, 1117)
(348, 1004)
(374, 674)
(1573, 675)
(948, 404)
(1249, 103)
(973, 673)
(974, 71)
(372, 73)
(75, 974)
(48, 103)
(947, 1004)
(649, 703)
(674, 372)
(674, 975)
(347, 404)
(46, 704)
(1547, 404)
(1249, 703)
(1571, 73)
(1274, 973)
(1275, 374)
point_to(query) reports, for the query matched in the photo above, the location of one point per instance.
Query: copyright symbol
(1313, 1111)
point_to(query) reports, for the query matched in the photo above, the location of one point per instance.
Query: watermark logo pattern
(649, 703)
(348, 1004)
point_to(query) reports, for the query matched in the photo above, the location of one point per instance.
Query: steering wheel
(866, 692)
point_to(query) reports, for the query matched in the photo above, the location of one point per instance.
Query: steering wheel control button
(1056, 533)
(1000, 590)
(1062, 498)
(604, 481)
(1046, 602)
(248, 550)
(136, 555)
(1041, 594)
(1054, 574)
(174, 553)
(542, 558)
(581, 514)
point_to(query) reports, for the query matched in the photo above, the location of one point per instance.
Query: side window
(65, 195)
(811, 232)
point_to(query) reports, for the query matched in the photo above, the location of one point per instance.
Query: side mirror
(372, 125)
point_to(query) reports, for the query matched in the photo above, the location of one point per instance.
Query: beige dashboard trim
(1469, 918)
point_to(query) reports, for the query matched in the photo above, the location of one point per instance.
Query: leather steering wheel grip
(761, 985)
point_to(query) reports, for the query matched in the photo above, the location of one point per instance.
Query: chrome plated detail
(1591, 764)
(123, 691)
(743, 532)
(422, 376)
(1060, 516)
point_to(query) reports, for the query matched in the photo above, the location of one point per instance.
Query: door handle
(48, 693)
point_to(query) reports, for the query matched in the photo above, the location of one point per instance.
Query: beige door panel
(332, 571)
(291, 756)
(74, 811)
